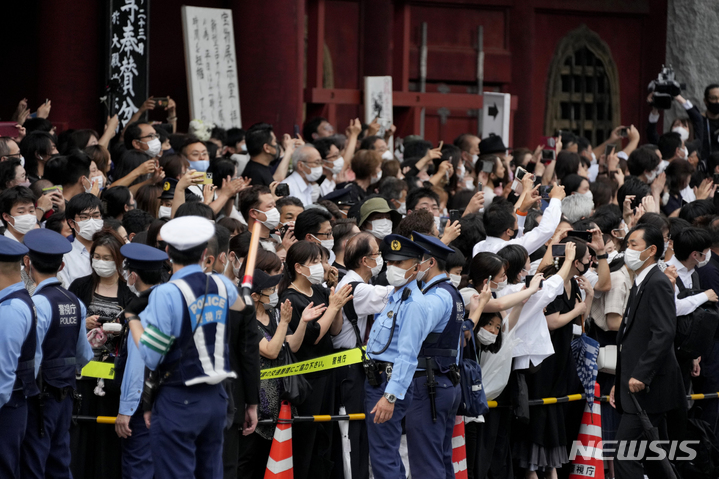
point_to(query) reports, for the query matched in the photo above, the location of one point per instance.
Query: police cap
(400, 248)
(168, 189)
(187, 232)
(432, 244)
(11, 250)
(47, 243)
(143, 257)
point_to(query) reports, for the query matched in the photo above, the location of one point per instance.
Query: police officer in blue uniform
(436, 392)
(182, 337)
(393, 345)
(144, 266)
(62, 349)
(18, 335)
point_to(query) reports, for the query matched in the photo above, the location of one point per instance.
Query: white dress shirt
(689, 304)
(77, 264)
(327, 187)
(8, 234)
(640, 277)
(367, 300)
(299, 188)
(531, 241)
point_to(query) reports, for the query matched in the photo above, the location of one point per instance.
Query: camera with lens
(665, 88)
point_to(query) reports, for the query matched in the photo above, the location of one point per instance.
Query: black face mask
(162, 245)
(713, 107)
(514, 235)
(278, 151)
(586, 267)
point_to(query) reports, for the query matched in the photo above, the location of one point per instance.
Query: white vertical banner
(378, 104)
(211, 66)
(496, 115)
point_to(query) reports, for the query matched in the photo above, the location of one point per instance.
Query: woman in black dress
(543, 443)
(302, 285)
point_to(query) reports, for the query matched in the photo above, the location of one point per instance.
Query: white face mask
(612, 255)
(89, 227)
(500, 286)
(273, 218)
(395, 276)
(650, 176)
(317, 274)
(632, 259)
(314, 174)
(99, 179)
(701, 264)
(387, 155)
(402, 208)
(327, 244)
(455, 279)
(594, 158)
(104, 269)
(588, 194)
(133, 289)
(469, 183)
(685, 153)
(24, 223)
(154, 147)
(274, 299)
(683, 132)
(485, 337)
(666, 247)
(236, 270)
(381, 228)
(437, 222)
(375, 179)
(378, 267)
(460, 172)
(420, 273)
(337, 166)
(165, 212)
(474, 159)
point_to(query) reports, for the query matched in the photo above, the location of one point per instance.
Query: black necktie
(630, 303)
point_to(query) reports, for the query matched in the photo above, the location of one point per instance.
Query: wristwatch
(391, 398)
(603, 256)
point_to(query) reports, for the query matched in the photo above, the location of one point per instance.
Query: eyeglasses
(84, 217)
(152, 136)
(713, 99)
(329, 235)
(314, 164)
(199, 154)
(15, 155)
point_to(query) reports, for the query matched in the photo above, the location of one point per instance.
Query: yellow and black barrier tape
(331, 361)
(361, 416)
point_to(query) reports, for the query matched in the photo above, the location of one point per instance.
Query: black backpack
(695, 331)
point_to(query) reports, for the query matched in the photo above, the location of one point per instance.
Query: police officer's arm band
(156, 340)
(132, 317)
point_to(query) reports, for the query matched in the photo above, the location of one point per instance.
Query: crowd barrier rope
(361, 416)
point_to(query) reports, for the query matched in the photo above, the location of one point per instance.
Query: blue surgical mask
(201, 165)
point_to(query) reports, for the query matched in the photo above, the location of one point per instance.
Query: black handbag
(295, 388)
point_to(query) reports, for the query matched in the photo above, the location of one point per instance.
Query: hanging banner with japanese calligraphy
(378, 103)
(211, 66)
(129, 54)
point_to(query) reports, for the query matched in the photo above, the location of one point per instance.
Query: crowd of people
(129, 247)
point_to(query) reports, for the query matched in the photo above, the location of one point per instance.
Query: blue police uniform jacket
(19, 338)
(443, 344)
(200, 346)
(410, 329)
(62, 345)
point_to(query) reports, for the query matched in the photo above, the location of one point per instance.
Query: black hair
(652, 237)
(250, 199)
(678, 174)
(498, 218)
(186, 257)
(416, 149)
(195, 208)
(417, 194)
(289, 201)
(676, 226)
(472, 233)
(221, 169)
(234, 136)
(7, 171)
(357, 248)
(713, 229)
(67, 170)
(483, 266)
(240, 244)
(222, 235)
(81, 203)
(324, 145)
(74, 140)
(531, 221)
(232, 224)
(567, 163)
(137, 220)
(154, 231)
(712, 162)
(219, 133)
(607, 218)
(668, 144)
(689, 240)
(173, 164)
(709, 87)
(13, 196)
(311, 126)
(584, 224)
(581, 250)
(54, 222)
(309, 221)
(112, 224)
(642, 159)
(133, 132)
(582, 144)
(455, 259)
(421, 221)
(369, 141)
(697, 211)
(150, 277)
(485, 319)
(603, 191)
(568, 138)
(572, 183)
(299, 253)
(45, 264)
(32, 125)
(257, 136)
(391, 188)
(114, 200)
(341, 231)
(130, 160)
(35, 144)
(516, 257)
(658, 220)
(633, 186)
(212, 150)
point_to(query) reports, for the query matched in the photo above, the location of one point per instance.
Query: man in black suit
(646, 363)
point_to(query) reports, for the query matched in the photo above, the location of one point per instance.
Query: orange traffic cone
(459, 453)
(588, 458)
(279, 464)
